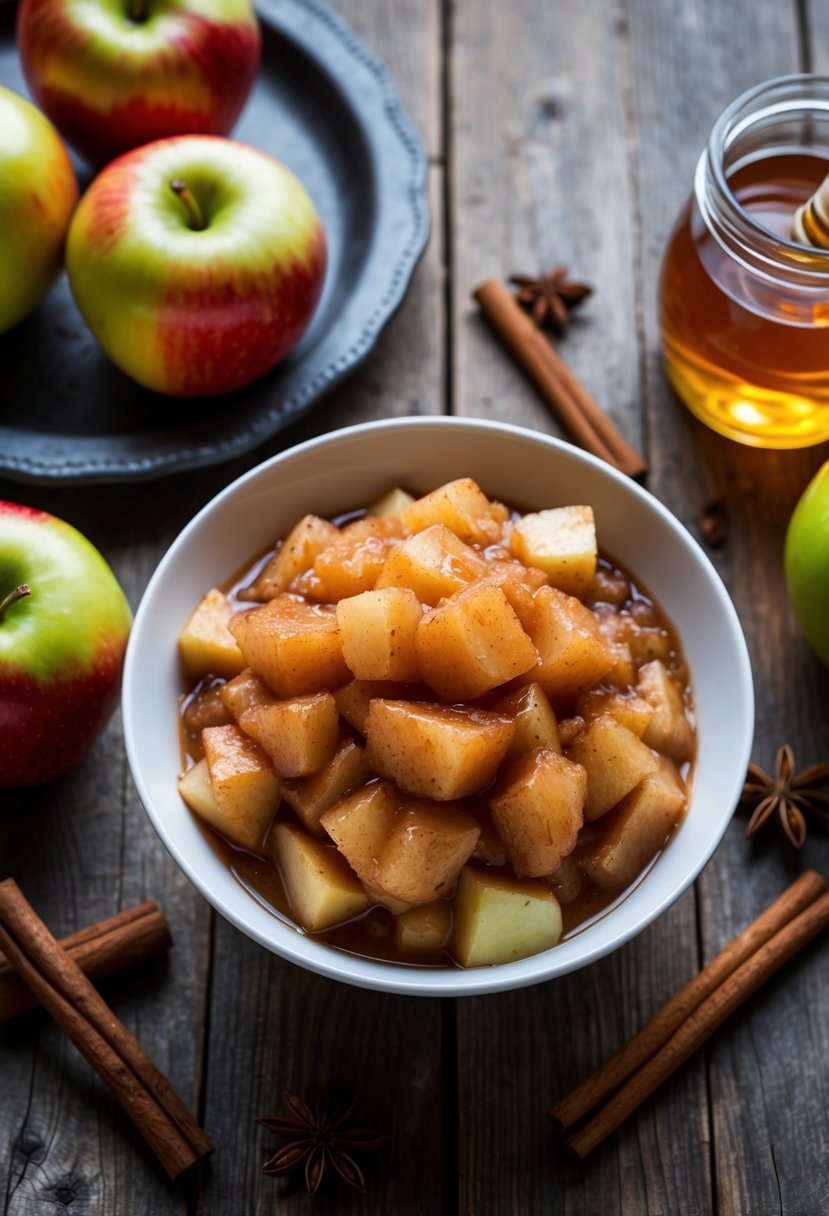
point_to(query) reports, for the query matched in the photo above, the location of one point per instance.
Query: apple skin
(192, 312)
(806, 562)
(110, 83)
(38, 193)
(61, 647)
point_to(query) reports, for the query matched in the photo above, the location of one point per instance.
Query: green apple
(38, 192)
(197, 263)
(64, 623)
(807, 562)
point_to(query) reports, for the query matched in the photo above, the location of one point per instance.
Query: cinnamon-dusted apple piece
(632, 834)
(321, 889)
(538, 809)
(354, 698)
(293, 557)
(615, 759)
(310, 797)
(463, 508)
(536, 724)
(562, 543)
(432, 564)
(498, 919)
(393, 502)
(424, 930)
(427, 847)
(471, 643)
(245, 790)
(206, 645)
(293, 646)
(243, 692)
(300, 734)
(631, 710)
(668, 730)
(352, 562)
(573, 654)
(436, 751)
(378, 631)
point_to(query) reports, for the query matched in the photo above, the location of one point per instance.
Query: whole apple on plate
(197, 263)
(64, 623)
(38, 192)
(114, 74)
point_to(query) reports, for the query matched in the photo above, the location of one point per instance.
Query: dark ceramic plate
(329, 109)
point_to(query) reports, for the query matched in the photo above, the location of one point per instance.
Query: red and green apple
(38, 192)
(197, 263)
(114, 74)
(807, 562)
(64, 623)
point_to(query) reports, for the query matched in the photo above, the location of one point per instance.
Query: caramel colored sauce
(762, 381)
(372, 934)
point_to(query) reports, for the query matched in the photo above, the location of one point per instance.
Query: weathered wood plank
(82, 848)
(272, 1025)
(767, 1071)
(540, 174)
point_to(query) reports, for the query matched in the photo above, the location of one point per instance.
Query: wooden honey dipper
(810, 225)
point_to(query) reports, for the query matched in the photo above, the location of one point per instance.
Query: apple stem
(138, 11)
(194, 211)
(19, 593)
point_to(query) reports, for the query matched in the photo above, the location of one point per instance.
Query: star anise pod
(550, 295)
(317, 1139)
(785, 795)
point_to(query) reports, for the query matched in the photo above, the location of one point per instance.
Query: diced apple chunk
(462, 507)
(615, 759)
(668, 730)
(360, 825)
(196, 790)
(293, 557)
(432, 564)
(206, 646)
(435, 751)
(353, 561)
(427, 848)
(535, 720)
(424, 930)
(378, 631)
(393, 502)
(472, 642)
(573, 654)
(632, 711)
(320, 888)
(537, 808)
(567, 882)
(246, 790)
(354, 698)
(498, 919)
(636, 830)
(243, 692)
(562, 543)
(293, 646)
(300, 735)
(519, 584)
(310, 797)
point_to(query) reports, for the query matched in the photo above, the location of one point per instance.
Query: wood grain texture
(767, 1070)
(540, 176)
(540, 173)
(81, 849)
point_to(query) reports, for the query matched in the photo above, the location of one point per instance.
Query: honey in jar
(744, 308)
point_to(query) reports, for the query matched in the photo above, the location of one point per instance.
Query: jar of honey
(744, 308)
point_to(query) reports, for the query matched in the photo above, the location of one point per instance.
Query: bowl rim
(317, 956)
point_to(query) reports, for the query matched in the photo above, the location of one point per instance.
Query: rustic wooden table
(556, 132)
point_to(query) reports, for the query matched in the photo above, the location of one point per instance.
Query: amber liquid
(763, 382)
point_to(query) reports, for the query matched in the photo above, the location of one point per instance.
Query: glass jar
(744, 310)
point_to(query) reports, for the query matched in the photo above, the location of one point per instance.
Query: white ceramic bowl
(347, 469)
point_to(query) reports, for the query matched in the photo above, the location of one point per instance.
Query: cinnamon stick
(698, 1027)
(562, 390)
(132, 936)
(655, 1033)
(58, 982)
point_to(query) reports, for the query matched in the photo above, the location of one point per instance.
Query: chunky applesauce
(437, 730)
